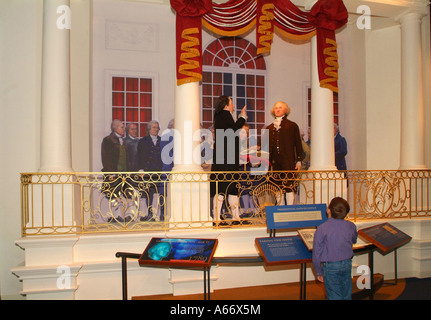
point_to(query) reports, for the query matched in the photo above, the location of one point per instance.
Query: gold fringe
(292, 36)
(264, 29)
(187, 55)
(225, 33)
(332, 61)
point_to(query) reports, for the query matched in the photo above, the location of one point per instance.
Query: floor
(288, 291)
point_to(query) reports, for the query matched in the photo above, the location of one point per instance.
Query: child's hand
(320, 278)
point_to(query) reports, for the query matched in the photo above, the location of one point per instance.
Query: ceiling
(383, 12)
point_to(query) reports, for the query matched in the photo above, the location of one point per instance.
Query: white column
(412, 100)
(187, 125)
(188, 195)
(322, 120)
(55, 149)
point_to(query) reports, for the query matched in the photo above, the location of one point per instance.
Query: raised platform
(85, 266)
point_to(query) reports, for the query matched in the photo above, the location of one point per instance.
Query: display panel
(179, 252)
(283, 250)
(296, 216)
(385, 236)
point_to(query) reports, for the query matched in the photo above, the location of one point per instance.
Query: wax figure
(285, 149)
(226, 155)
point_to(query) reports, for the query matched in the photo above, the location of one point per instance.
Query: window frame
(109, 105)
(234, 69)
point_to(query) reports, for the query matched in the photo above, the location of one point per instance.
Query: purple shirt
(333, 241)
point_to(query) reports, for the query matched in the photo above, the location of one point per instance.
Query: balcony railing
(82, 203)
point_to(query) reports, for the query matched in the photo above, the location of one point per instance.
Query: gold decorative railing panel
(81, 203)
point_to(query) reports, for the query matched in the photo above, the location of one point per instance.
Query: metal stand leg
(303, 282)
(395, 270)
(124, 276)
(207, 280)
(371, 265)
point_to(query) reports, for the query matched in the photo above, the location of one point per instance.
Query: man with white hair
(285, 149)
(114, 152)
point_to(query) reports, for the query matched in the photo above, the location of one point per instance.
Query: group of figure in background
(124, 151)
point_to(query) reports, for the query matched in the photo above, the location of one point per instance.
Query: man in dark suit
(226, 155)
(132, 141)
(114, 159)
(150, 160)
(114, 151)
(340, 146)
(285, 148)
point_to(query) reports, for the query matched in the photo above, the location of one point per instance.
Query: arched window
(232, 67)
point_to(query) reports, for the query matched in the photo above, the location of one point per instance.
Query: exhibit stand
(290, 249)
(386, 238)
(181, 253)
(194, 253)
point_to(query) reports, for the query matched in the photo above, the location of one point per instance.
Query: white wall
(352, 94)
(20, 54)
(154, 57)
(383, 92)
(288, 76)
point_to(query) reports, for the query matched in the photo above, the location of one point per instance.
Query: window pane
(132, 84)
(217, 90)
(250, 104)
(260, 93)
(227, 78)
(131, 99)
(146, 100)
(146, 85)
(250, 92)
(260, 81)
(118, 84)
(260, 104)
(240, 91)
(260, 117)
(240, 103)
(118, 99)
(118, 113)
(206, 77)
(240, 79)
(250, 80)
(207, 115)
(217, 77)
(227, 90)
(207, 103)
(145, 115)
(206, 89)
(132, 115)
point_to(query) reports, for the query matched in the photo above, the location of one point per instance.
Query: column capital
(417, 10)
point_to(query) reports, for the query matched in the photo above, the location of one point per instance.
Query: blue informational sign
(283, 250)
(385, 236)
(179, 252)
(296, 216)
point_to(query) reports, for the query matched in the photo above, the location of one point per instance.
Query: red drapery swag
(237, 17)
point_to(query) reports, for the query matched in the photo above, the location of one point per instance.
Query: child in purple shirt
(333, 251)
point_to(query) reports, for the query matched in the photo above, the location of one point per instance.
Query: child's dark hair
(339, 208)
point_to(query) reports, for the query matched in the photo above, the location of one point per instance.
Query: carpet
(416, 289)
(285, 291)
